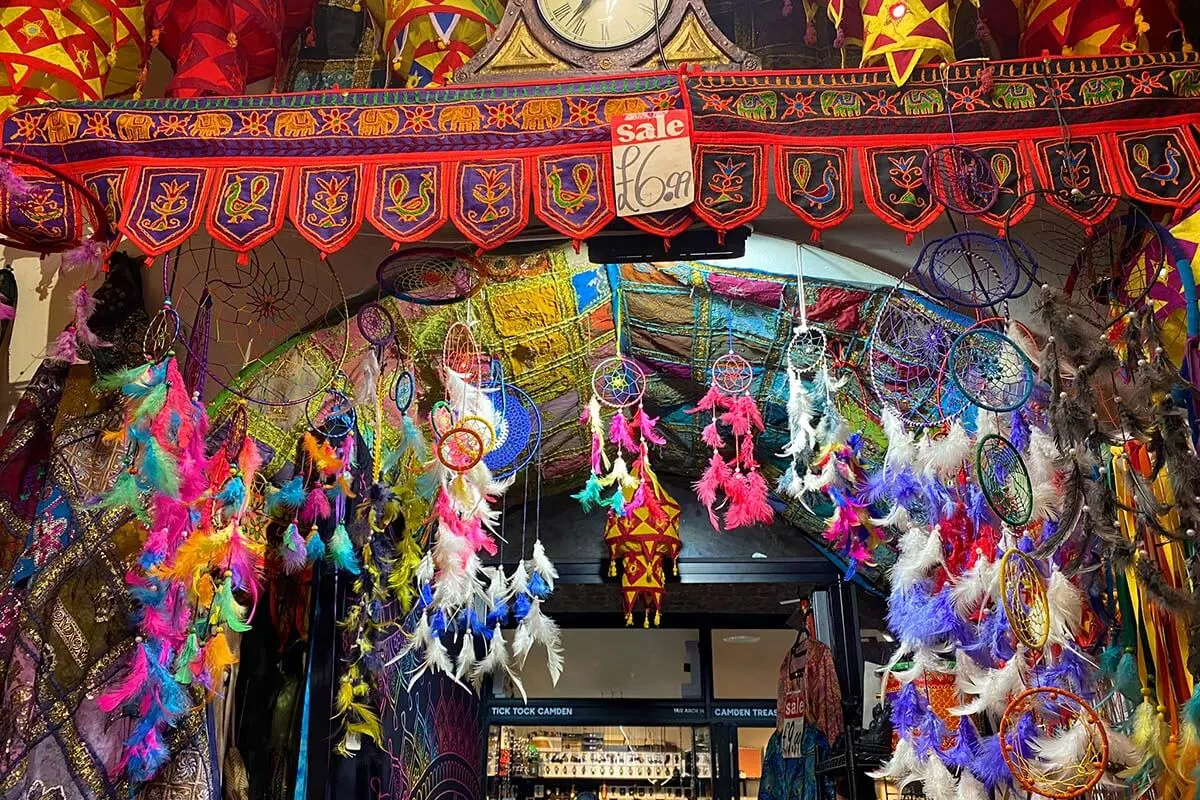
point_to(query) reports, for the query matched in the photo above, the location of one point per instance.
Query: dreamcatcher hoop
(1001, 474)
(430, 276)
(1024, 595)
(806, 349)
(1054, 711)
(376, 325)
(264, 307)
(487, 434)
(732, 375)
(961, 179)
(335, 414)
(441, 418)
(519, 433)
(990, 369)
(403, 391)
(618, 382)
(102, 231)
(160, 334)
(461, 353)
(970, 268)
(460, 449)
(236, 427)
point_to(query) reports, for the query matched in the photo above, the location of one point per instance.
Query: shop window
(628, 663)
(746, 662)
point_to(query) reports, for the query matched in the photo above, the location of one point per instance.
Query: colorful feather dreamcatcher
(734, 411)
(618, 383)
(201, 550)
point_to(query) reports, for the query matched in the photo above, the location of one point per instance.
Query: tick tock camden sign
(652, 162)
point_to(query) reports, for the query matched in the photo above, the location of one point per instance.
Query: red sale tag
(652, 162)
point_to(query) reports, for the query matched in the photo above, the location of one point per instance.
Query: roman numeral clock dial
(601, 24)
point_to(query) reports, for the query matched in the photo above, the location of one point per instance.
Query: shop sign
(765, 713)
(652, 162)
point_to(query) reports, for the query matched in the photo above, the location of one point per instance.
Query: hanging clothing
(796, 778)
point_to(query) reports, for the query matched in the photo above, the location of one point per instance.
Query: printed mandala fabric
(64, 625)
(81, 50)
(218, 47)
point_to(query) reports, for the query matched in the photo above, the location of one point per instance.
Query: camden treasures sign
(652, 162)
(598, 712)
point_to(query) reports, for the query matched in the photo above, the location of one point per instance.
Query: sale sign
(652, 162)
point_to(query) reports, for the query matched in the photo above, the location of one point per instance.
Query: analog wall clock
(540, 38)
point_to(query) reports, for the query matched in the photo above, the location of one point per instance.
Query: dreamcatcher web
(991, 370)
(250, 309)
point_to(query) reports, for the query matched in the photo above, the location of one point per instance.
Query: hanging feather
(936, 781)
(1065, 747)
(316, 506)
(537, 628)
(977, 585)
(989, 765)
(620, 434)
(920, 551)
(962, 752)
(901, 768)
(541, 565)
(1127, 680)
(314, 546)
(802, 433)
(87, 257)
(1065, 602)
(646, 425)
(496, 662)
(465, 663)
(944, 456)
(65, 349)
(340, 551)
(84, 307)
(993, 688)
(160, 469)
(969, 788)
(293, 550)
(366, 379)
(901, 450)
(715, 478)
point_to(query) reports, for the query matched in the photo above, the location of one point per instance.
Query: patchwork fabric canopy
(409, 161)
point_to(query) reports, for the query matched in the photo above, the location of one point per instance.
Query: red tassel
(243, 258)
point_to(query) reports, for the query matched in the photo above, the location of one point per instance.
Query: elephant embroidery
(378, 121)
(1186, 82)
(134, 127)
(62, 126)
(541, 114)
(210, 125)
(624, 105)
(295, 124)
(1014, 96)
(758, 106)
(919, 102)
(1107, 89)
(840, 104)
(464, 118)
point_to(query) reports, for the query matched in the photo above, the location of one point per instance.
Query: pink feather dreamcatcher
(619, 384)
(734, 411)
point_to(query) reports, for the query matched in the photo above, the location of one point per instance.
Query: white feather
(437, 659)
(924, 660)
(920, 551)
(969, 788)
(421, 636)
(468, 400)
(815, 482)
(366, 379)
(537, 628)
(425, 569)
(980, 582)
(936, 780)
(902, 766)
(543, 566)
(1121, 750)
(619, 474)
(993, 688)
(1066, 608)
(986, 423)
(497, 589)
(496, 662)
(1022, 339)
(1041, 463)
(944, 456)
(518, 583)
(901, 450)
(800, 418)
(465, 663)
(896, 518)
(1064, 749)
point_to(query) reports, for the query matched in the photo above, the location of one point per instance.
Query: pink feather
(66, 348)
(16, 186)
(619, 433)
(646, 426)
(745, 454)
(597, 449)
(293, 552)
(128, 688)
(245, 564)
(585, 416)
(750, 411)
(712, 399)
(748, 501)
(715, 478)
(711, 436)
(249, 460)
(638, 500)
(88, 256)
(316, 506)
(7, 312)
(479, 538)
(654, 507)
(84, 307)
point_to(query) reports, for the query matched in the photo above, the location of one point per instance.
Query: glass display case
(602, 762)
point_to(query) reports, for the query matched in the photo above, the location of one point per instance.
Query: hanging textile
(63, 615)
(1097, 27)
(907, 33)
(432, 38)
(343, 50)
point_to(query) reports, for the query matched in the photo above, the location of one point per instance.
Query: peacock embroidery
(238, 210)
(571, 201)
(410, 209)
(823, 192)
(1165, 172)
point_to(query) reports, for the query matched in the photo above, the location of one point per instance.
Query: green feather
(152, 403)
(1191, 709)
(183, 662)
(616, 502)
(341, 551)
(227, 608)
(1110, 658)
(1127, 681)
(589, 496)
(125, 494)
(116, 380)
(159, 469)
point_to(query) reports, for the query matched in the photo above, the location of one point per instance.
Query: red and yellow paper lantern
(643, 545)
(907, 33)
(429, 39)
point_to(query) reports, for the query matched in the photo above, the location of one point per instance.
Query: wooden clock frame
(525, 46)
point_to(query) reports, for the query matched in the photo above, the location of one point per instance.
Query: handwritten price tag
(652, 162)
(792, 735)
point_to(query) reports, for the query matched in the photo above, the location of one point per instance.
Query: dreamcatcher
(970, 269)
(990, 369)
(730, 404)
(960, 179)
(430, 276)
(519, 429)
(1102, 251)
(1070, 754)
(1023, 593)
(1005, 482)
(619, 384)
(237, 317)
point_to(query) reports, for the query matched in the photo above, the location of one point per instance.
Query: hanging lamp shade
(643, 544)
(218, 47)
(905, 34)
(428, 39)
(81, 50)
(1097, 27)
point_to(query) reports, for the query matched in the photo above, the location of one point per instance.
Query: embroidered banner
(163, 206)
(248, 209)
(48, 216)
(480, 156)
(814, 182)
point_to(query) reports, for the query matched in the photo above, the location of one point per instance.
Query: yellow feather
(218, 657)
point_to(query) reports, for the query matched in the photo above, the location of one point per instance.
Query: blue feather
(538, 587)
(233, 494)
(908, 710)
(425, 596)
(437, 624)
(522, 604)
(929, 735)
(288, 497)
(1019, 432)
(962, 752)
(977, 506)
(989, 766)
(498, 615)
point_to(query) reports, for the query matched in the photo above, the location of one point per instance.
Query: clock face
(601, 24)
